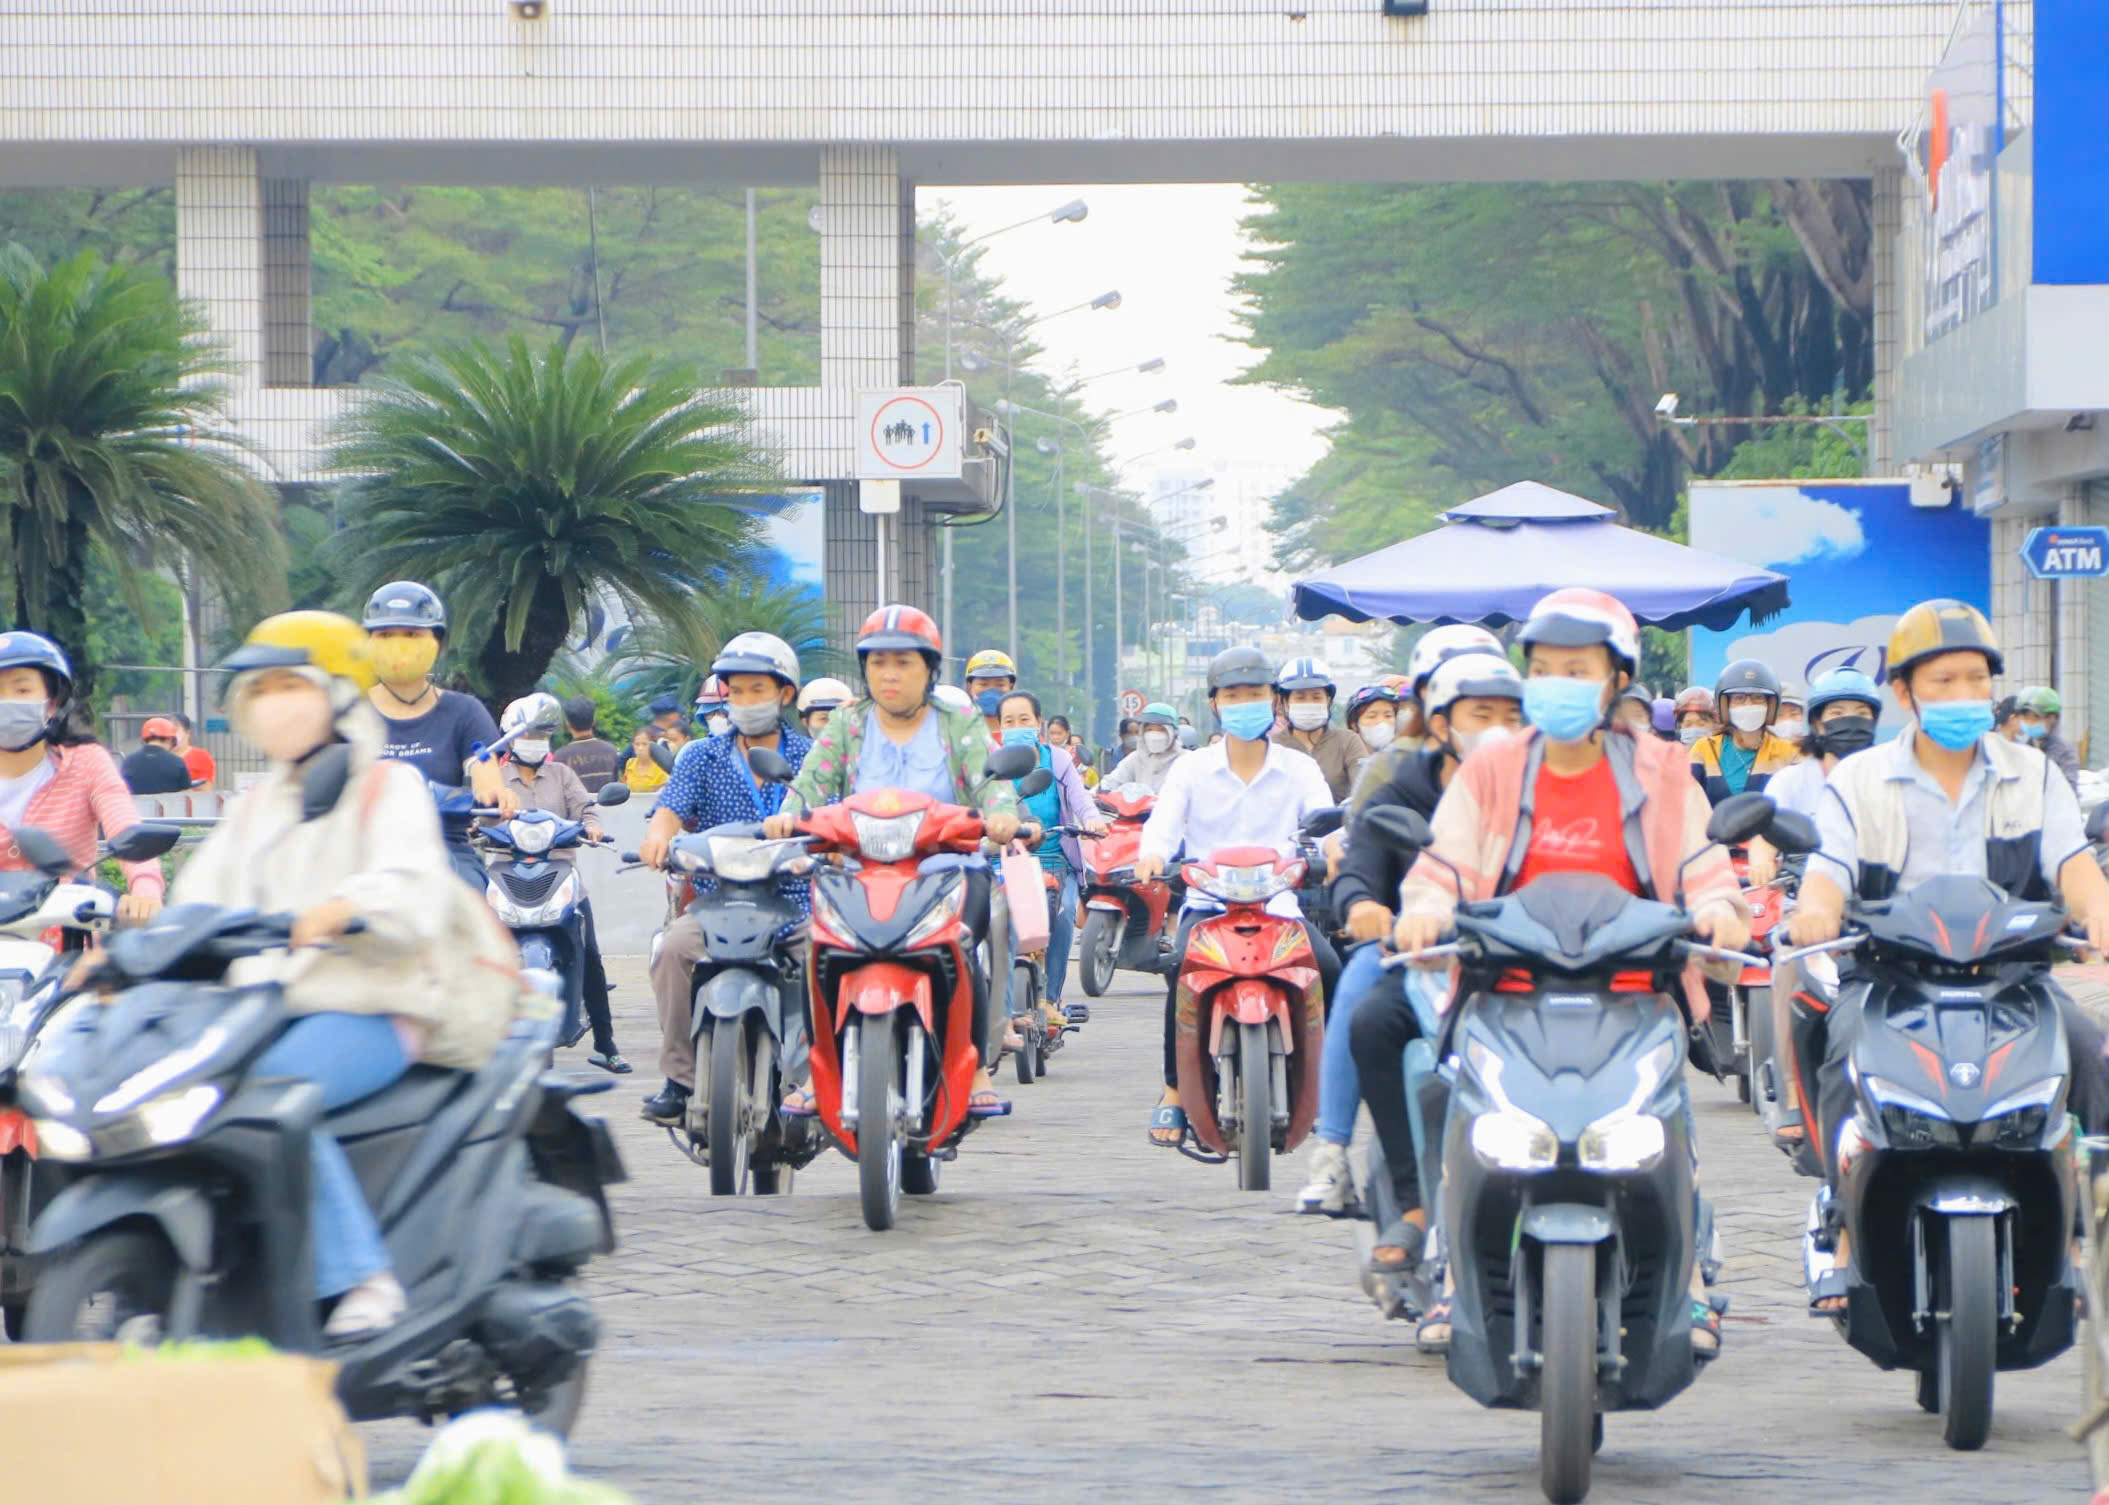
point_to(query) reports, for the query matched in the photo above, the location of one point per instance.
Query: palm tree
(110, 443)
(522, 485)
(670, 658)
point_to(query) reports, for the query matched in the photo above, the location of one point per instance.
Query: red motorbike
(1742, 1022)
(1250, 1015)
(1124, 921)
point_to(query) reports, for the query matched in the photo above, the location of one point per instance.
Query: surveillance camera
(530, 10)
(1667, 408)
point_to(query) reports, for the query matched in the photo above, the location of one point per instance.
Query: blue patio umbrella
(1503, 551)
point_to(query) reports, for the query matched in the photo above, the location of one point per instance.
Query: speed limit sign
(1131, 702)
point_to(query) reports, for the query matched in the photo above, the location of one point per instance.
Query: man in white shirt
(1242, 792)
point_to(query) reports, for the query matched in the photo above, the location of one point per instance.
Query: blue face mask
(1020, 736)
(1566, 710)
(990, 701)
(1955, 724)
(1248, 722)
(2033, 730)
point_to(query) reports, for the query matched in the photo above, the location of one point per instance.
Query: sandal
(986, 1104)
(798, 1103)
(1168, 1116)
(1408, 1238)
(1829, 1286)
(610, 1061)
(1706, 1331)
(1433, 1335)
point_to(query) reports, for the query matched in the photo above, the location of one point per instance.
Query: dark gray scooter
(1568, 1202)
(188, 1214)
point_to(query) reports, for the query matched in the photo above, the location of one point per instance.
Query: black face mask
(1846, 735)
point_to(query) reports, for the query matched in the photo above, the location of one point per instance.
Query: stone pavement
(1078, 1314)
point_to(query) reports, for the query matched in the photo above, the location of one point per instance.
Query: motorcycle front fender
(733, 994)
(1567, 1223)
(882, 987)
(94, 1203)
(538, 949)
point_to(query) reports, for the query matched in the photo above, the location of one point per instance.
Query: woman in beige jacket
(335, 834)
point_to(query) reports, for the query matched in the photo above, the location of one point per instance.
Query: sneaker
(375, 1303)
(668, 1106)
(1331, 1189)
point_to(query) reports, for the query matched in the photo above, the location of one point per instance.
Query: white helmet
(1439, 643)
(824, 695)
(757, 653)
(1464, 676)
(539, 708)
(953, 696)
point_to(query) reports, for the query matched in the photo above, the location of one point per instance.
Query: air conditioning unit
(1405, 7)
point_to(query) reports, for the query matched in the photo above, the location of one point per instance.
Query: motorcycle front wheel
(1095, 964)
(878, 1120)
(732, 1089)
(1255, 1113)
(1567, 1419)
(1762, 1075)
(112, 1286)
(1969, 1336)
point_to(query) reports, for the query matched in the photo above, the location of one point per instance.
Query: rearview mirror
(42, 851)
(1399, 828)
(1739, 817)
(613, 794)
(663, 755)
(770, 766)
(143, 842)
(1323, 822)
(1039, 781)
(2098, 823)
(1013, 762)
(1792, 833)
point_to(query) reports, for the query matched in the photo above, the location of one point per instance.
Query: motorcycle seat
(412, 1099)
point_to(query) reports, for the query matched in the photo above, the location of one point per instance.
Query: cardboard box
(79, 1421)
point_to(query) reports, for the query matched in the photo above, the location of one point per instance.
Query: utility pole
(1090, 620)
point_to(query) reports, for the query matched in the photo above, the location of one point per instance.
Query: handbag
(1025, 890)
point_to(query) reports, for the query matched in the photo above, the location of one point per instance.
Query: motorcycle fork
(1524, 1275)
(1923, 1315)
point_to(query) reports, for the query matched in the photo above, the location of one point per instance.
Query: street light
(1666, 412)
(1162, 449)
(1054, 447)
(1116, 523)
(1149, 367)
(1169, 405)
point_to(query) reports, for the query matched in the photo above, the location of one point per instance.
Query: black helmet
(1239, 666)
(27, 650)
(1747, 676)
(406, 603)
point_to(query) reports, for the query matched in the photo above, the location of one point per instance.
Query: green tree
(522, 485)
(671, 657)
(110, 440)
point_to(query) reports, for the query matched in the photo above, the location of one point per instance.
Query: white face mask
(1469, 743)
(1792, 731)
(531, 751)
(1156, 740)
(1746, 718)
(1309, 718)
(718, 723)
(1377, 735)
(753, 720)
(288, 725)
(1690, 735)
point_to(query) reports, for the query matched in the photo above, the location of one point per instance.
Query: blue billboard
(1856, 554)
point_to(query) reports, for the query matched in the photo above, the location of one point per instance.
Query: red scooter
(1124, 921)
(1251, 1015)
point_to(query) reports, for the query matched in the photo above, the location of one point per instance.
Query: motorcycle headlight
(743, 859)
(887, 838)
(1909, 1121)
(176, 1115)
(1512, 1140)
(532, 837)
(59, 1141)
(1621, 1142)
(1253, 884)
(827, 916)
(2019, 1120)
(938, 916)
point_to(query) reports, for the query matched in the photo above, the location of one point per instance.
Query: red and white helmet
(1577, 616)
(1439, 643)
(898, 626)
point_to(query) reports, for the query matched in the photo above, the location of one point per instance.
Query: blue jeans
(1339, 1084)
(1061, 931)
(349, 1056)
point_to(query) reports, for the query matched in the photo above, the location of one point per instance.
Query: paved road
(1078, 1312)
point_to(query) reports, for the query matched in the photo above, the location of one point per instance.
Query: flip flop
(1168, 1116)
(985, 1104)
(1705, 1320)
(799, 1105)
(612, 1062)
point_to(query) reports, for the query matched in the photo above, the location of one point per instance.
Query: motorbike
(188, 1215)
(1764, 1078)
(1042, 1037)
(898, 991)
(1250, 1012)
(747, 1017)
(539, 898)
(47, 917)
(1124, 921)
(1735, 1039)
(1567, 1184)
(1955, 1169)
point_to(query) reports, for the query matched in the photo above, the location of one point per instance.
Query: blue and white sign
(2067, 553)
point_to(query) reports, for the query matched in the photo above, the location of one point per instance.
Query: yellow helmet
(991, 663)
(306, 639)
(1941, 626)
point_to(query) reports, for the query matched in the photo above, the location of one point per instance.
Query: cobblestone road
(1079, 1313)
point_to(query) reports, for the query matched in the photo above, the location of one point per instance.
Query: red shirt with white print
(1576, 827)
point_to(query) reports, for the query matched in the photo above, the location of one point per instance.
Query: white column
(1889, 215)
(219, 250)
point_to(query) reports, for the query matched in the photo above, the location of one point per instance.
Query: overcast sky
(1171, 251)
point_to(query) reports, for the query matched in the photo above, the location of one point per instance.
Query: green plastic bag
(496, 1458)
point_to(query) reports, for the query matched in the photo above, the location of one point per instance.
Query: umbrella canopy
(1504, 551)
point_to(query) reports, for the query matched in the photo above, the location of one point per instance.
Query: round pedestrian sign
(907, 433)
(1131, 702)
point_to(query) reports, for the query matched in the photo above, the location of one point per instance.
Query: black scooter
(1567, 1191)
(540, 899)
(1955, 1167)
(188, 1214)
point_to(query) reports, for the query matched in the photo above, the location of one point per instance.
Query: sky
(1170, 251)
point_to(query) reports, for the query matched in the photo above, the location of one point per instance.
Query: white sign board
(909, 434)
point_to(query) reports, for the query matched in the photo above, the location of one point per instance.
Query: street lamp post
(1666, 412)
(1115, 524)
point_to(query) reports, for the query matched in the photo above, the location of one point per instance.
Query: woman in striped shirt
(55, 776)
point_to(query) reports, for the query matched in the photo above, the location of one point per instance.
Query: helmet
(1367, 696)
(1638, 691)
(757, 653)
(712, 692)
(1438, 643)
(1693, 698)
(824, 695)
(1792, 692)
(991, 663)
(1239, 666)
(1663, 716)
(2040, 700)
(530, 710)
(953, 696)
(1941, 626)
(1305, 674)
(1844, 684)
(158, 726)
(1577, 616)
(901, 627)
(305, 639)
(1462, 676)
(1157, 713)
(1188, 737)
(27, 650)
(406, 603)
(1747, 676)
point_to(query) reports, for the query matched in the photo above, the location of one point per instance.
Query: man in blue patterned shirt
(711, 785)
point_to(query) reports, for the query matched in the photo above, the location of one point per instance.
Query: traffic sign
(908, 434)
(2077, 553)
(1131, 702)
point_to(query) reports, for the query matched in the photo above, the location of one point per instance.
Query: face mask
(22, 722)
(1691, 736)
(1020, 736)
(815, 725)
(1566, 710)
(399, 661)
(1377, 735)
(1847, 735)
(990, 702)
(1469, 743)
(1127, 743)
(1248, 722)
(1792, 731)
(1746, 718)
(753, 720)
(531, 752)
(1309, 718)
(1955, 724)
(2033, 730)
(717, 723)
(287, 726)
(1156, 742)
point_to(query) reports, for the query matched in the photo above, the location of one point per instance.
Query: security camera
(1667, 408)
(990, 440)
(530, 10)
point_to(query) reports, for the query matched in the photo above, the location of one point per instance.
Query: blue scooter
(540, 898)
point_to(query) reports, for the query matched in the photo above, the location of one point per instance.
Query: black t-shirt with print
(437, 743)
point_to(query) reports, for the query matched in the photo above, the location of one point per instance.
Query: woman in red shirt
(55, 776)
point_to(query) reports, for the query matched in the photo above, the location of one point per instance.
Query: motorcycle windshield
(1960, 921)
(1573, 923)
